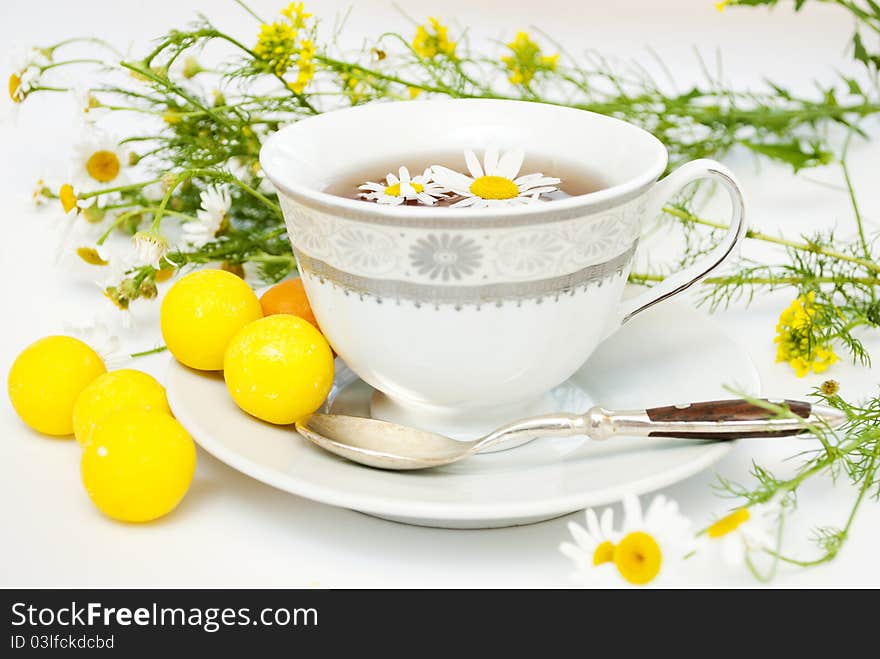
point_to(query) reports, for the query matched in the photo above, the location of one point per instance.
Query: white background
(231, 530)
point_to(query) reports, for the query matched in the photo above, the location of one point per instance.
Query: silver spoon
(390, 446)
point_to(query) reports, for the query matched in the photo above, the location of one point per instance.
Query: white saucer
(668, 355)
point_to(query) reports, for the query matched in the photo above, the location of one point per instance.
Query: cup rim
(404, 215)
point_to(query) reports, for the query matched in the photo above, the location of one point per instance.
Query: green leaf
(853, 86)
(861, 54)
(792, 153)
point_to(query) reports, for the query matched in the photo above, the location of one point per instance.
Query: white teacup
(464, 319)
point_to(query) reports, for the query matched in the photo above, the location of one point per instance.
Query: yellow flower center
(494, 187)
(67, 197)
(729, 523)
(14, 84)
(103, 166)
(90, 255)
(638, 558)
(164, 274)
(604, 553)
(394, 190)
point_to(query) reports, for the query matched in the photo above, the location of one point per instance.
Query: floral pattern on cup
(445, 256)
(592, 240)
(314, 231)
(370, 251)
(529, 252)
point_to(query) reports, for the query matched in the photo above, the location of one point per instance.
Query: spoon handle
(716, 420)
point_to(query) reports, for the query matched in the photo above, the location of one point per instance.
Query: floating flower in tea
(495, 182)
(399, 189)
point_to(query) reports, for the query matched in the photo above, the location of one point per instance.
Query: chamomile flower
(496, 182)
(744, 531)
(98, 161)
(26, 67)
(70, 199)
(211, 216)
(398, 189)
(649, 548)
(592, 551)
(150, 247)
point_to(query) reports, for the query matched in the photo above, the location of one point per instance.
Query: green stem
(867, 482)
(120, 188)
(852, 196)
(757, 235)
(249, 10)
(94, 40)
(175, 89)
(55, 65)
(149, 352)
(639, 277)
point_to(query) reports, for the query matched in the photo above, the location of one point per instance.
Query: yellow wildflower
(413, 92)
(306, 67)
(295, 13)
(432, 39)
(276, 45)
(796, 342)
(280, 47)
(526, 59)
(721, 5)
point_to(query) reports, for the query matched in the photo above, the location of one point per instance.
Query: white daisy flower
(744, 531)
(150, 247)
(396, 190)
(74, 227)
(26, 65)
(98, 161)
(593, 549)
(211, 216)
(72, 201)
(649, 548)
(496, 182)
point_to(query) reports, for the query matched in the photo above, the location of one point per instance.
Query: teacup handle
(681, 281)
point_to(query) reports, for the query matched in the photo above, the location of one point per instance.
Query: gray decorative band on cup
(436, 294)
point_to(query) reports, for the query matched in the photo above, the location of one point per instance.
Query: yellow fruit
(138, 465)
(125, 389)
(46, 379)
(202, 312)
(279, 368)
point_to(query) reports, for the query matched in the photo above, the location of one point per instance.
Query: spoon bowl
(381, 444)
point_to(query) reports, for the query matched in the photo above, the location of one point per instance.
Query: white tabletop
(233, 531)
